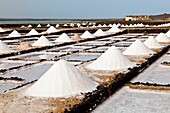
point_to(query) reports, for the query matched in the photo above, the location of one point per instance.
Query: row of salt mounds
(64, 38)
(168, 33)
(61, 80)
(42, 41)
(14, 34)
(111, 60)
(32, 32)
(87, 34)
(137, 48)
(152, 43)
(114, 29)
(4, 47)
(99, 32)
(162, 38)
(51, 29)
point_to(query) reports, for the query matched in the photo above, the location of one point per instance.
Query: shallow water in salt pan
(29, 74)
(136, 101)
(81, 57)
(156, 73)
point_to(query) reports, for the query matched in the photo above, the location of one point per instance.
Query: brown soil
(148, 87)
(139, 60)
(24, 46)
(165, 64)
(14, 102)
(105, 77)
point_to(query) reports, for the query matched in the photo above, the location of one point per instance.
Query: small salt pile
(23, 46)
(87, 34)
(4, 47)
(29, 25)
(168, 33)
(39, 25)
(48, 25)
(152, 43)
(1, 30)
(32, 32)
(99, 32)
(51, 29)
(76, 37)
(14, 34)
(64, 38)
(162, 38)
(63, 79)
(111, 60)
(114, 29)
(138, 48)
(42, 41)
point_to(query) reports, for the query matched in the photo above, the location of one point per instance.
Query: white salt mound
(39, 25)
(32, 32)
(42, 41)
(111, 60)
(4, 47)
(22, 26)
(87, 34)
(51, 29)
(152, 43)
(29, 25)
(99, 32)
(64, 38)
(162, 38)
(114, 29)
(1, 30)
(138, 48)
(14, 34)
(61, 80)
(48, 25)
(168, 33)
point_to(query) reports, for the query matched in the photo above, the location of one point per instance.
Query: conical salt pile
(137, 48)
(32, 32)
(76, 37)
(48, 25)
(22, 26)
(30, 25)
(39, 25)
(99, 32)
(51, 29)
(152, 43)
(87, 34)
(114, 29)
(168, 33)
(42, 41)
(24, 45)
(61, 80)
(1, 30)
(64, 38)
(111, 60)
(4, 47)
(14, 34)
(162, 38)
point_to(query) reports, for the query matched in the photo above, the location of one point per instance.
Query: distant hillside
(160, 17)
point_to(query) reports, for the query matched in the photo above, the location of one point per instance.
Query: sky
(81, 8)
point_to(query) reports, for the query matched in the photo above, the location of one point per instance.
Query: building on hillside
(135, 18)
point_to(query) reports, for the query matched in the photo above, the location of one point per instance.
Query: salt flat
(129, 100)
(156, 73)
